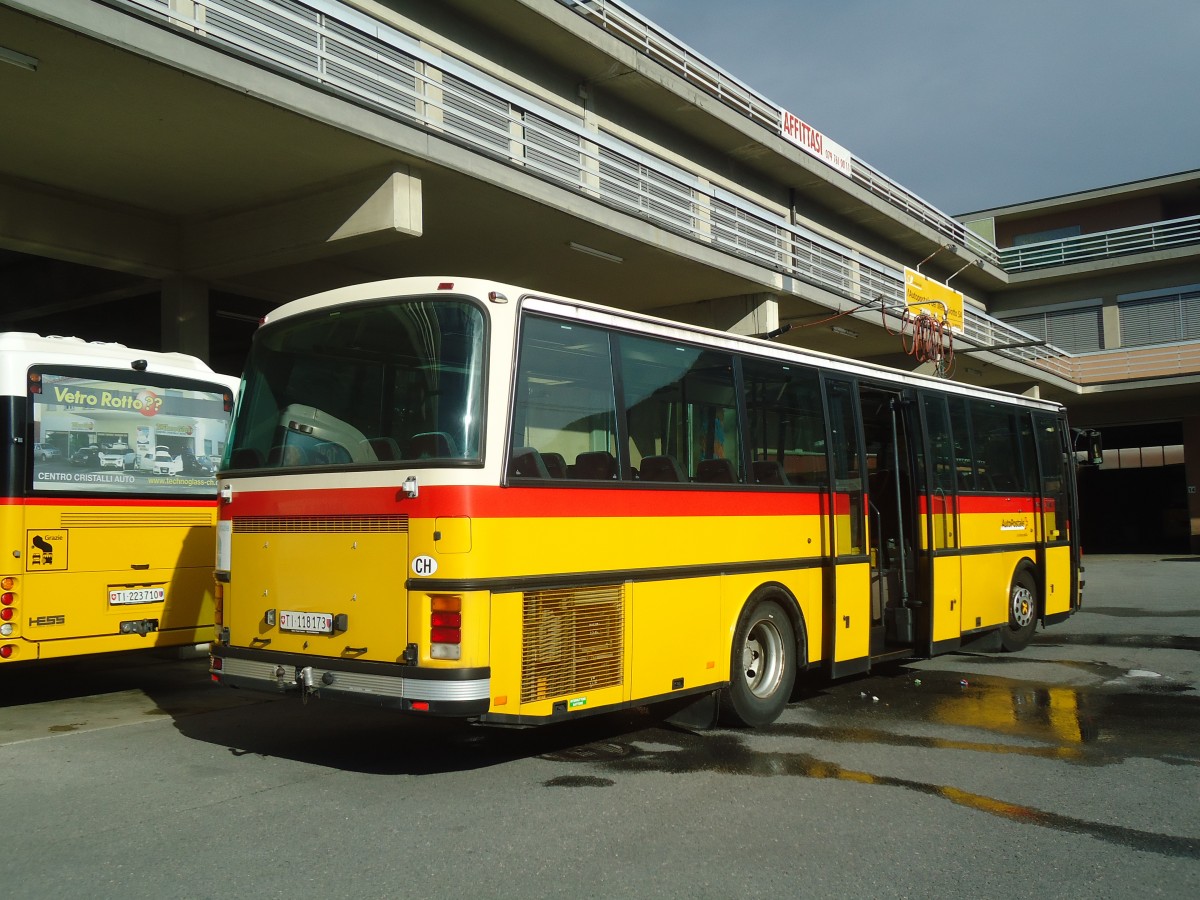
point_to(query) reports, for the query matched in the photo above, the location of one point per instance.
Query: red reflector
(216, 662)
(6, 651)
(446, 286)
(445, 636)
(216, 678)
(420, 705)
(8, 598)
(6, 613)
(446, 620)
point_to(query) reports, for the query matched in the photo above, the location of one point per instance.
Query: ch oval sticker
(424, 565)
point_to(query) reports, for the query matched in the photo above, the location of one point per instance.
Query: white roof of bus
(647, 324)
(19, 350)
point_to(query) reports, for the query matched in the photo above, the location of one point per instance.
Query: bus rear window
(364, 385)
(103, 433)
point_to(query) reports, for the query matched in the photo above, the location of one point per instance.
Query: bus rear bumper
(437, 692)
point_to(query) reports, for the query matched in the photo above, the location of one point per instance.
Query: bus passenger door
(848, 575)
(939, 527)
(897, 602)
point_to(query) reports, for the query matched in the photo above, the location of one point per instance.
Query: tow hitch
(139, 626)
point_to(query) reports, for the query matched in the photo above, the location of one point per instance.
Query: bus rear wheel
(762, 667)
(1022, 612)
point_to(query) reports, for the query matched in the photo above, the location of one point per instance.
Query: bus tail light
(8, 609)
(445, 626)
(7, 650)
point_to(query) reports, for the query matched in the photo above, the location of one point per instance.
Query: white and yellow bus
(108, 506)
(459, 498)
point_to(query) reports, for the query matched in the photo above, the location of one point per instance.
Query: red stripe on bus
(518, 502)
(967, 503)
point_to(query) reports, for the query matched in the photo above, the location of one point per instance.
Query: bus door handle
(139, 566)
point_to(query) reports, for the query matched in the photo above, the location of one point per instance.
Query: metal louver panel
(1074, 330)
(552, 150)
(572, 642)
(1153, 320)
(278, 35)
(383, 72)
(136, 518)
(319, 524)
(475, 115)
(1190, 316)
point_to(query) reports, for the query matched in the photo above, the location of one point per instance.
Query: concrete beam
(747, 314)
(44, 223)
(371, 211)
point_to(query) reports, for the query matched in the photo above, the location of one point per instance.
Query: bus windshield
(364, 385)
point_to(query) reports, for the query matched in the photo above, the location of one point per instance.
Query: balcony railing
(361, 59)
(1103, 245)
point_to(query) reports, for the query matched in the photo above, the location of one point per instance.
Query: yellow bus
(108, 508)
(458, 498)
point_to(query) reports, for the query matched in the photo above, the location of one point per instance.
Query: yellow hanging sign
(923, 294)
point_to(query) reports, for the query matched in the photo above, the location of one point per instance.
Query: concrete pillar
(1191, 468)
(1110, 322)
(185, 316)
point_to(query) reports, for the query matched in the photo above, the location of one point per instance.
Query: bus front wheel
(1022, 612)
(762, 667)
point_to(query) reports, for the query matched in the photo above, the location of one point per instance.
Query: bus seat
(555, 464)
(286, 455)
(384, 448)
(431, 445)
(661, 468)
(716, 471)
(999, 469)
(768, 471)
(313, 425)
(595, 465)
(246, 458)
(526, 462)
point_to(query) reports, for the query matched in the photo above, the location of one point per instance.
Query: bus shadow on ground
(378, 741)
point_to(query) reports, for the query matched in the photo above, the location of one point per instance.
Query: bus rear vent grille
(572, 641)
(135, 518)
(318, 524)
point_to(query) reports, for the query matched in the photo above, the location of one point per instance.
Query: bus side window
(681, 403)
(564, 403)
(787, 424)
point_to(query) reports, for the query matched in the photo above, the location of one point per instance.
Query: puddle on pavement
(1081, 726)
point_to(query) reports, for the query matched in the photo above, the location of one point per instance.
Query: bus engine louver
(572, 641)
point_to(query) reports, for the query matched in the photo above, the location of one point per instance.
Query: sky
(971, 104)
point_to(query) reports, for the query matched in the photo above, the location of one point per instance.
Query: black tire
(762, 666)
(1022, 612)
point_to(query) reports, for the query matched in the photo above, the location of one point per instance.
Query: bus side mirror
(1088, 449)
